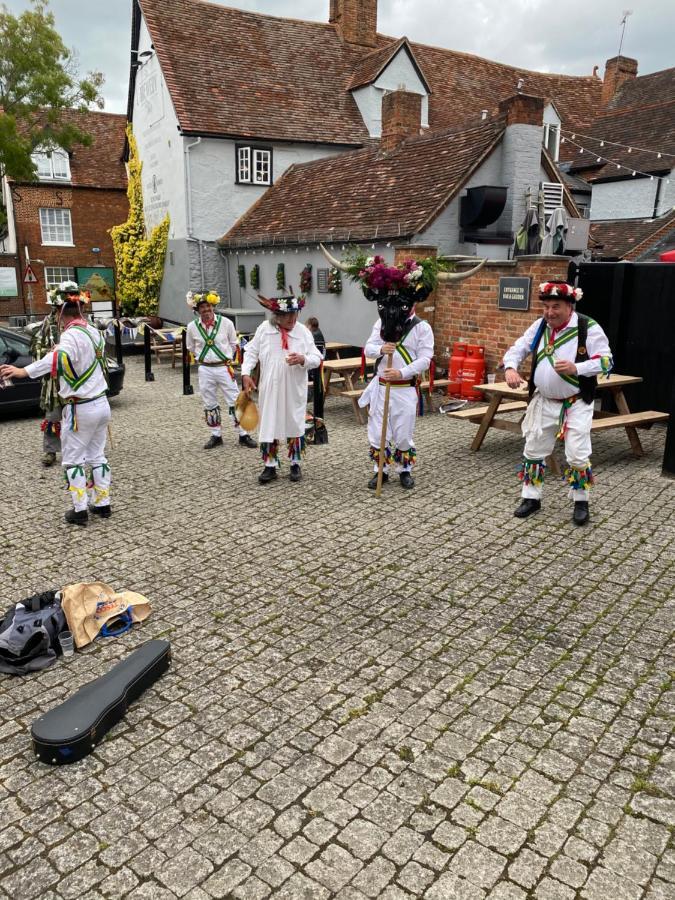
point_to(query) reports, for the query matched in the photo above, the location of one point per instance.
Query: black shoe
(527, 507)
(103, 511)
(245, 440)
(81, 517)
(372, 484)
(407, 481)
(213, 441)
(269, 473)
(48, 459)
(296, 474)
(581, 514)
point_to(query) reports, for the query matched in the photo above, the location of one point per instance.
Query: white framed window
(56, 227)
(552, 139)
(52, 165)
(54, 275)
(254, 165)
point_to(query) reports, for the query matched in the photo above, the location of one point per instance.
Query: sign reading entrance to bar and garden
(514, 293)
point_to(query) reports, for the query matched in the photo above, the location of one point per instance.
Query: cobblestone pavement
(413, 696)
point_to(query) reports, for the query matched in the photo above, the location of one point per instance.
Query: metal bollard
(147, 352)
(118, 342)
(185, 353)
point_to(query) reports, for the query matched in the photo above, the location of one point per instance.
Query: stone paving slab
(417, 696)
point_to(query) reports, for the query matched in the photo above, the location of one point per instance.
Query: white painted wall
(399, 74)
(346, 317)
(629, 199)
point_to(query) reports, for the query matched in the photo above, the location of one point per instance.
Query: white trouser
(86, 447)
(540, 427)
(400, 422)
(210, 379)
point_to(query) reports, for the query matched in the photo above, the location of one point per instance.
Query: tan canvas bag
(90, 605)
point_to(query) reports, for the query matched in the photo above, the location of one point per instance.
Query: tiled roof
(651, 127)
(365, 194)
(100, 165)
(645, 90)
(238, 73)
(635, 239)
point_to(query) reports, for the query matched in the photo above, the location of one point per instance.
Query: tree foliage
(39, 82)
(139, 258)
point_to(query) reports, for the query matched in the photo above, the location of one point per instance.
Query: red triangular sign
(29, 276)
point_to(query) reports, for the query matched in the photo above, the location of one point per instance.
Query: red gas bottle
(473, 372)
(455, 370)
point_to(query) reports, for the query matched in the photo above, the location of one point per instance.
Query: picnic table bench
(504, 399)
(355, 393)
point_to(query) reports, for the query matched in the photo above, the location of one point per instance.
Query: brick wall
(617, 70)
(401, 118)
(93, 212)
(467, 310)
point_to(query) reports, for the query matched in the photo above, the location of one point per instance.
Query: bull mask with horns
(397, 289)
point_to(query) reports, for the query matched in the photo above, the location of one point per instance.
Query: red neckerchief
(284, 332)
(208, 325)
(556, 331)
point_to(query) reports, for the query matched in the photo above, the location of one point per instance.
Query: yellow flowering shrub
(139, 257)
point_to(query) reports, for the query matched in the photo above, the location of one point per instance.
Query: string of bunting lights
(613, 162)
(659, 154)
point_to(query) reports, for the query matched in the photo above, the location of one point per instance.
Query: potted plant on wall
(255, 277)
(241, 273)
(334, 281)
(306, 279)
(281, 277)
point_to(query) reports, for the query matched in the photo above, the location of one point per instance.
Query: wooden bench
(643, 419)
(476, 413)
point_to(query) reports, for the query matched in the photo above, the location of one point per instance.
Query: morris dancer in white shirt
(286, 351)
(78, 362)
(569, 351)
(212, 340)
(413, 352)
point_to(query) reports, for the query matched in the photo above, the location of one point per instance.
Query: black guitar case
(70, 732)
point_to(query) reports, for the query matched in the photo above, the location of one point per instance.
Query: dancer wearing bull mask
(78, 364)
(568, 351)
(404, 347)
(286, 351)
(212, 340)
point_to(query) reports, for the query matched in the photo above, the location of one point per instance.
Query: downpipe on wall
(188, 194)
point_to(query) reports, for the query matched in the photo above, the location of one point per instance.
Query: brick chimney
(356, 21)
(401, 118)
(617, 70)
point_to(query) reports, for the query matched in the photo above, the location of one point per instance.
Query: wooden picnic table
(343, 368)
(337, 347)
(506, 399)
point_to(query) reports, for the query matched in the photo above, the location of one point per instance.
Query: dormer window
(52, 165)
(552, 139)
(254, 165)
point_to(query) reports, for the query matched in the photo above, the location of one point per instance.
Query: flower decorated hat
(193, 300)
(287, 304)
(66, 291)
(559, 290)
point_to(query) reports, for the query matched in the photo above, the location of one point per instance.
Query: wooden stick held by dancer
(383, 437)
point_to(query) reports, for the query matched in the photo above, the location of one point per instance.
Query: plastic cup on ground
(66, 642)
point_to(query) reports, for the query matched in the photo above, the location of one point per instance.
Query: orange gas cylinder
(455, 370)
(473, 372)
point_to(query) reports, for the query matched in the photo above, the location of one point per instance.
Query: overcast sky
(569, 37)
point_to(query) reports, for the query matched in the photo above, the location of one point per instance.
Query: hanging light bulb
(630, 149)
(634, 173)
(618, 166)
(658, 156)
(599, 159)
(602, 143)
(581, 149)
(562, 140)
(573, 136)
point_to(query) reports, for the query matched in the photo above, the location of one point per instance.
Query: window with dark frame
(253, 164)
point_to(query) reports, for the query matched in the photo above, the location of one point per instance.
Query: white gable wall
(399, 73)
(628, 199)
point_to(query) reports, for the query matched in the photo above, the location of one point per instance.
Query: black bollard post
(118, 342)
(320, 431)
(669, 451)
(187, 387)
(147, 351)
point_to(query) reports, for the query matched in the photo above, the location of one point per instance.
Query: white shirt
(546, 379)
(225, 339)
(75, 355)
(419, 342)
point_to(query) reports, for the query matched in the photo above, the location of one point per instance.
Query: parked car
(24, 393)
